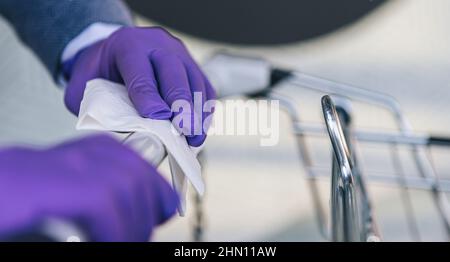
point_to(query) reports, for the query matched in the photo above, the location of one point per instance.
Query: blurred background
(255, 193)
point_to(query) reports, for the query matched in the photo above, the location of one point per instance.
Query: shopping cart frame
(418, 143)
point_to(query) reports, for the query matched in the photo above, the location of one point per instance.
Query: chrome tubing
(351, 212)
(345, 213)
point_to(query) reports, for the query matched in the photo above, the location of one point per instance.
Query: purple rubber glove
(156, 68)
(95, 182)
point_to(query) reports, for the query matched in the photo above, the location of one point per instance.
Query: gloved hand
(95, 182)
(155, 67)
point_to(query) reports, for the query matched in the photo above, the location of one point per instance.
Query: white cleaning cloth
(106, 106)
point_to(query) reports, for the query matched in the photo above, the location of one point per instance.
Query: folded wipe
(106, 106)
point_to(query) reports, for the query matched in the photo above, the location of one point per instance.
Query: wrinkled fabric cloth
(156, 68)
(95, 182)
(106, 106)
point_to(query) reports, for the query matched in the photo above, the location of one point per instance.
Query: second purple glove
(156, 68)
(94, 182)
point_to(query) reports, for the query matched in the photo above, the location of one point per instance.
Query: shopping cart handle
(242, 75)
(439, 141)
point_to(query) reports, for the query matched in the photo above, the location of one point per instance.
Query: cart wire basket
(351, 215)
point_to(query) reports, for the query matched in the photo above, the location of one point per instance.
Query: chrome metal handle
(340, 147)
(345, 213)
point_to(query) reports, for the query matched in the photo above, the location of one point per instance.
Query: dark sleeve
(47, 26)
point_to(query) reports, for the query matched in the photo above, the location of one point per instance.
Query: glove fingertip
(196, 141)
(159, 115)
(159, 112)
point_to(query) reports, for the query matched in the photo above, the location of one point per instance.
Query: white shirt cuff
(91, 34)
